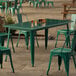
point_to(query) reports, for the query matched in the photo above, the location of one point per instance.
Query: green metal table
(6, 4)
(50, 23)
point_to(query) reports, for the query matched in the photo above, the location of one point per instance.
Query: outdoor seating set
(30, 28)
(26, 34)
(65, 53)
(62, 53)
(10, 6)
(40, 2)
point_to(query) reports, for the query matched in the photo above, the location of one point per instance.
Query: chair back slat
(21, 3)
(74, 42)
(19, 16)
(16, 3)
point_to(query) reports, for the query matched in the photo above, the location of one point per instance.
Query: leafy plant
(1, 23)
(9, 20)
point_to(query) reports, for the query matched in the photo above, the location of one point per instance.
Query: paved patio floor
(22, 58)
(22, 61)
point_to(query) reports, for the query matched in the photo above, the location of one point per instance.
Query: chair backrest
(19, 17)
(74, 42)
(16, 1)
(73, 24)
(0, 2)
(21, 3)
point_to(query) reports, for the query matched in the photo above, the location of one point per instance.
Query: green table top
(27, 25)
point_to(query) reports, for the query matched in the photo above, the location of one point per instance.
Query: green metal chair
(1, 7)
(31, 2)
(65, 54)
(44, 1)
(37, 2)
(26, 34)
(15, 7)
(3, 36)
(7, 51)
(50, 2)
(4, 50)
(64, 31)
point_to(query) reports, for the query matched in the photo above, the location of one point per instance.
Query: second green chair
(5, 51)
(64, 31)
(65, 54)
(15, 7)
(1, 7)
(26, 34)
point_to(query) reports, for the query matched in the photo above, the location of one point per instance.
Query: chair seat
(7, 51)
(58, 50)
(14, 7)
(3, 48)
(4, 34)
(23, 31)
(65, 30)
(1, 6)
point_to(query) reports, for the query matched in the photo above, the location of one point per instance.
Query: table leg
(32, 47)
(46, 38)
(5, 7)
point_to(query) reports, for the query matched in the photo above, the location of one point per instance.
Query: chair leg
(37, 42)
(1, 10)
(39, 5)
(12, 45)
(6, 58)
(29, 3)
(9, 11)
(49, 63)
(12, 48)
(2, 42)
(44, 4)
(18, 11)
(74, 61)
(33, 4)
(26, 39)
(59, 62)
(67, 40)
(47, 4)
(11, 61)
(18, 39)
(58, 33)
(36, 4)
(66, 62)
(13, 11)
(1, 60)
(52, 3)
